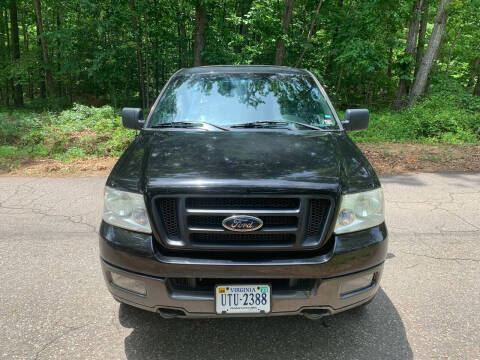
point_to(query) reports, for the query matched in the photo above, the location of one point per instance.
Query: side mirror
(132, 118)
(356, 119)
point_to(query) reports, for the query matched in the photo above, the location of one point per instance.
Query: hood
(251, 159)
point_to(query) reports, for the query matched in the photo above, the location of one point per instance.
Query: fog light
(129, 284)
(356, 283)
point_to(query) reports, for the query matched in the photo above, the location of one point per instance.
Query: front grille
(208, 285)
(195, 222)
(242, 240)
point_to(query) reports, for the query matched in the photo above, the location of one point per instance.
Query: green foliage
(356, 47)
(449, 115)
(11, 156)
(76, 133)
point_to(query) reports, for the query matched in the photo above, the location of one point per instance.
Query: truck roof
(242, 69)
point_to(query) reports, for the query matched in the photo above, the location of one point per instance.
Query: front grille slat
(247, 203)
(265, 229)
(212, 220)
(195, 222)
(255, 212)
(242, 240)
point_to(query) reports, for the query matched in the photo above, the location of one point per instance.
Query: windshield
(233, 99)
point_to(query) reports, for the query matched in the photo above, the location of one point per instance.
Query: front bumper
(350, 256)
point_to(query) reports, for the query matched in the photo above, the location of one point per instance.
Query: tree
(182, 36)
(310, 33)
(421, 35)
(287, 16)
(4, 59)
(199, 32)
(17, 88)
(43, 43)
(138, 41)
(408, 59)
(431, 52)
(476, 91)
(474, 72)
(86, 53)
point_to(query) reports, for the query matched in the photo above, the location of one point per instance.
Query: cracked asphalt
(54, 303)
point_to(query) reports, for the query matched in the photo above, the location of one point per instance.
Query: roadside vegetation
(78, 133)
(448, 116)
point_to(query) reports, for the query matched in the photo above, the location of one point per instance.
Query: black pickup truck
(242, 195)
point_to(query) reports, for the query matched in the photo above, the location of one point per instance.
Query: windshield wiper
(186, 124)
(307, 125)
(260, 124)
(266, 124)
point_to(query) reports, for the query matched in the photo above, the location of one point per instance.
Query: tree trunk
(59, 57)
(17, 88)
(431, 53)
(476, 91)
(310, 32)
(406, 72)
(4, 54)
(244, 9)
(157, 52)
(199, 33)
(43, 88)
(8, 81)
(287, 16)
(147, 70)
(421, 35)
(138, 38)
(43, 43)
(473, 73)
(26, 48)
(182, 36)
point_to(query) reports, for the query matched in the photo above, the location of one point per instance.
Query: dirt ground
(394, 159)
(387, 159)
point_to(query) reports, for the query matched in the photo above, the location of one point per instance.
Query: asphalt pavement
(54, 303)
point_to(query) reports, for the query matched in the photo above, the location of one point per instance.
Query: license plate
(242, 299)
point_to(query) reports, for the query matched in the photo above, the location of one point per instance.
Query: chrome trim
(252, 211)
(254, 225)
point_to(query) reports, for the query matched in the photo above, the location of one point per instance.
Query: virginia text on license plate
(242, 299)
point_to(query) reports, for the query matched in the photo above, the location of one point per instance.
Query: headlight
(126, 210)
(360, 211)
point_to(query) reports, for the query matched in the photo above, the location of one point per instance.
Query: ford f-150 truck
(243, 195)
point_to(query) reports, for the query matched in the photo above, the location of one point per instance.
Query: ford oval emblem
(242, 223)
